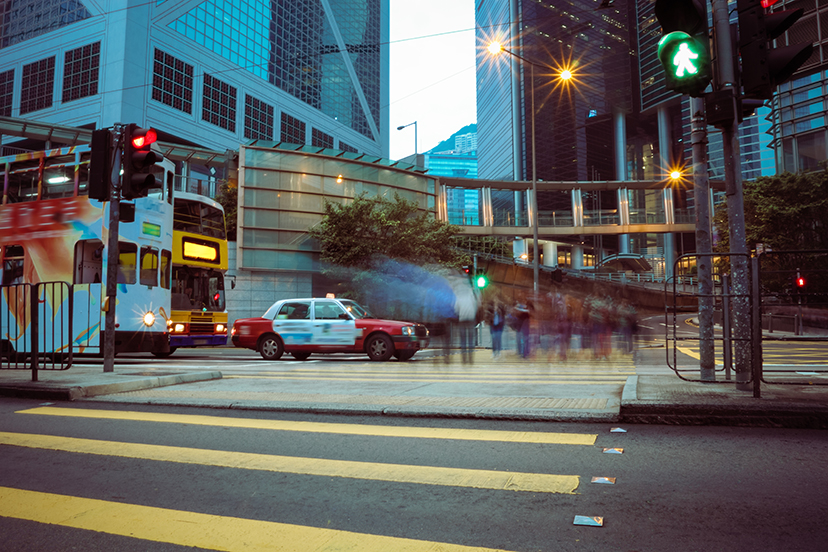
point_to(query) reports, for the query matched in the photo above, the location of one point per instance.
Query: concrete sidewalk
(653, 395)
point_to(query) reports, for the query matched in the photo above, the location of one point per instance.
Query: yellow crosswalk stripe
(536, 381)
(200, 530)
(398, 473)
(321, 427)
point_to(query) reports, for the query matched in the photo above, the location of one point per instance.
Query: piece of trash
(618, 430)
(46, 404)
(604, 480)
(589, 520)
(613, 450)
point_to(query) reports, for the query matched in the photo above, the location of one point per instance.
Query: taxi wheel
(379, 347)
(271, 347)
(301, 356)
(404, 355)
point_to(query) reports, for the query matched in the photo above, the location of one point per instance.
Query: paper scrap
(604, 480)
(613, 450)
(589, 520)
(617, 430)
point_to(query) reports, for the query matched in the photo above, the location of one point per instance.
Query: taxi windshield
(357, 310)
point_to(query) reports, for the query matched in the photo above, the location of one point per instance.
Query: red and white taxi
(302, 327)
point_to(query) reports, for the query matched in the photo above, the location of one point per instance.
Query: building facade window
(293, 130)
(321, 139)
(38, 85)
(219, 103)
(80, 72)
(345, 147)
(6, 92)
(258, 119)
(293, 45)
(23, 20)
(172, 82)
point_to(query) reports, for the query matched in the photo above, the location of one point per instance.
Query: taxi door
(293, 323)
(333, 327)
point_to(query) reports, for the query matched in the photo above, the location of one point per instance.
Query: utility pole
(704, 241)
(113, 255)
(726, 80)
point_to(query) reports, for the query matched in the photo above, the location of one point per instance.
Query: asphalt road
(90, 476)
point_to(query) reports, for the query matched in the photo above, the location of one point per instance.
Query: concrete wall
(256, 291)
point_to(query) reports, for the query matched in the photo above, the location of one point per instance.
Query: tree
(355, 235)
(390, 255)
(786, 215)
(228, 196)
(783, 212)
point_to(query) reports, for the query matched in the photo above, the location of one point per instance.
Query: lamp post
(495, 48)
(415, 133)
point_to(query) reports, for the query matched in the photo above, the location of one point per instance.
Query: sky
(432, 77)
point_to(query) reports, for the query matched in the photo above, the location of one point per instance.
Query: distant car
(302, 327)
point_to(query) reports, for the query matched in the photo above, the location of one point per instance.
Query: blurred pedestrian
(466, 308)
(522, 314)
(496, 318)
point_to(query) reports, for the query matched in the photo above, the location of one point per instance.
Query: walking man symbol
(683, 61)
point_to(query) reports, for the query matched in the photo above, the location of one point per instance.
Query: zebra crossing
(220, 529)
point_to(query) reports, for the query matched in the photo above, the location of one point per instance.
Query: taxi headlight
(220, 328)
(179, 328)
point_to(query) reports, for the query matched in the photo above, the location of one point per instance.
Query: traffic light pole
(112, 257)
(726, 79)
(704, 241)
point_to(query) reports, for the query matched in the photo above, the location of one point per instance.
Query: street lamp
(495, 48)
(415, 133)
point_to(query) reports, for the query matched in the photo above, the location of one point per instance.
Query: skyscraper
(215, 73)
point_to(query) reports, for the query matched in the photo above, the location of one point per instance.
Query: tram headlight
(149, 319)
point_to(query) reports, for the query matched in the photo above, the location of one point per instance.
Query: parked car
(302, 327)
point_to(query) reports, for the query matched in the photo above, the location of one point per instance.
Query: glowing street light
(495, 48)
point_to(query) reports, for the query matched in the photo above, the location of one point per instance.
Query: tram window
(12, 265)
(127, 262)
(166, 266)
(23, 186)
(89, 262)
(149, 266)
(59, 183)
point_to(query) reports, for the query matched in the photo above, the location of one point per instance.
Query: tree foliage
(783, 212)
(228, 197)
(390, 256)
(357, 234)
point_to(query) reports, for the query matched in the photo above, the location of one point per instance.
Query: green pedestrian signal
(481, 281)
(686, 62)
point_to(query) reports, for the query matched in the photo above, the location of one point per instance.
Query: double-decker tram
(198, 315)
(54, 261)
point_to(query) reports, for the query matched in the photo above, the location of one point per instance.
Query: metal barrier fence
(36, 326)
(785, 305)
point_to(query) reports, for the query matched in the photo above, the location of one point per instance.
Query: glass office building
(214, 74)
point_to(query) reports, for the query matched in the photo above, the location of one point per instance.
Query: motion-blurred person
(628, 322)
(466, 307)
(495, 316)
(522, 313)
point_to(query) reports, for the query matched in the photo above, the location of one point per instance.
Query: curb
(56, 392)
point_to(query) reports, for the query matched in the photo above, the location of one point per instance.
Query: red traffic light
(800, 282)
(142, 138)
(768, 3)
